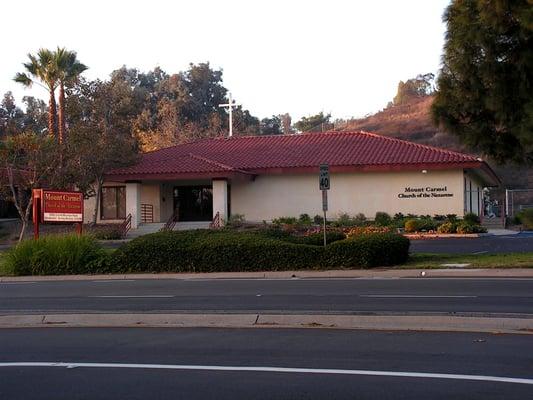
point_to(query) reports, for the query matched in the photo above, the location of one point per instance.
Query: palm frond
(24, 79)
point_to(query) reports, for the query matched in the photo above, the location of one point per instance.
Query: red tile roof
(280, 153)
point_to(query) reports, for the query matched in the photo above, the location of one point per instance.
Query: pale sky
(302, 57)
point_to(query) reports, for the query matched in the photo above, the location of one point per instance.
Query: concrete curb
(346, 274)
(393, 323)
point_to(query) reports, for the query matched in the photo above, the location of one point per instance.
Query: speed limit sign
(324, 177)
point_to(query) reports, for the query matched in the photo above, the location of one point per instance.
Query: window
(113, 202)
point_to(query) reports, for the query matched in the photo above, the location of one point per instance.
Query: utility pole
(230, 105)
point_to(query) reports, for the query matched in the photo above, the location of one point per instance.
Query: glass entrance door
(194, 203)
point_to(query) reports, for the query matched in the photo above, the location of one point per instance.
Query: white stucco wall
(149, 194)
(273, 196)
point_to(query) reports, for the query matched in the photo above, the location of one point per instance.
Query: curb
(330, 274)
(392, 323)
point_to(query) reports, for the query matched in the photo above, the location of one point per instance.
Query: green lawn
(510, 260)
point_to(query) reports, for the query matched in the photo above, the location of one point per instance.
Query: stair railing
(125, 226)
(215, 224)
(171, 222)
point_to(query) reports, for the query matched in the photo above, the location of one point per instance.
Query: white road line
(480, 252)
(133, 296)
(400, 374)
(415, 296)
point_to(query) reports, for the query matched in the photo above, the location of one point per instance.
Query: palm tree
(42, 70)
(69, 69)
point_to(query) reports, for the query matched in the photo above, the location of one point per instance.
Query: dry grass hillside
(412, 121)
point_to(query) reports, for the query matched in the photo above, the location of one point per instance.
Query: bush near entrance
(216, 251)
(206, 251)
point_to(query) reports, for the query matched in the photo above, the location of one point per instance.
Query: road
(521, 243)
(364, 357)
(298, 296)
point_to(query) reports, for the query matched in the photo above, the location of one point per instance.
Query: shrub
(359, 219)
(343, 219)
(235, 220)
(317, 239)
(55, 255)
(382, 219)
(367, 251)
(426, 224)
(526, 218)
(465, 228)
(285, 220)
(318, 219)
(451, 217)
(365, 230)
(411, 225)
(208, 251)
(305, 219)
(471, 218)
(398, 217)
(108, 233)
(447, 227)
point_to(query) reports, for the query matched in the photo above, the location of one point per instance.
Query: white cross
(230, 106)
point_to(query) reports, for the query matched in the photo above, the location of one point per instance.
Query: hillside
(412, 121)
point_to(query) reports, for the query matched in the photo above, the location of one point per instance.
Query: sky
(343, 57)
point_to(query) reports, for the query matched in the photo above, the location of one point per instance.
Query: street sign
(324, 177)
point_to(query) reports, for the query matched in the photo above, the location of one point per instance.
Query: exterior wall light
(424, 171)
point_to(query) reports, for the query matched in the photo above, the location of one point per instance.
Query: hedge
(367, 251)
(203, 251)
(55, 255)
(208, 251)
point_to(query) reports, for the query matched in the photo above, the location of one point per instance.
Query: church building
(266, 177)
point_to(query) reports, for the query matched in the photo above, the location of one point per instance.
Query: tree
(421, 86)
(27, 161)
(182, 107)
(69, 70)
(10, 116)
(42, 70)
(13, 120)
(286, 124)
(271, 126)
(100, 135)
(485, 86)
(314, 123)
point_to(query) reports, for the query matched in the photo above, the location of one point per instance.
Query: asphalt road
(298, 296)
(367, 353)
(520, 243)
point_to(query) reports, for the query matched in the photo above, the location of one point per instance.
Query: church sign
(426, 192)
(60, 206)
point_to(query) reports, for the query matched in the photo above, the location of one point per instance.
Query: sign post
(36, 211)
(324, 182)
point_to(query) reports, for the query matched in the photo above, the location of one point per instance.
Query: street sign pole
(324, 182)
(325, 209)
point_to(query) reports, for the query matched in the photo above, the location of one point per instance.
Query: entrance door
(194, 203)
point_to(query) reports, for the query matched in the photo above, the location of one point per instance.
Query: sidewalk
(520, 273)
